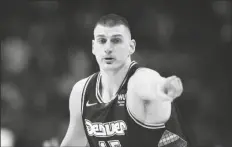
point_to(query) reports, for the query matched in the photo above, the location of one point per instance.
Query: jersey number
(112, 143)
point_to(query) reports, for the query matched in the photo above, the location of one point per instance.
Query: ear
(132, 46)
(93, 50)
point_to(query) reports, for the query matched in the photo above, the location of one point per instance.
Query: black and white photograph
(126, 73)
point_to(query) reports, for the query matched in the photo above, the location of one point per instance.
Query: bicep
(75, 135)
(145, 84)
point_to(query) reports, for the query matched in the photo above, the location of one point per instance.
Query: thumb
(171, 92)
(169, 88)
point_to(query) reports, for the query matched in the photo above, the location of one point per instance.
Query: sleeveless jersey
(111, 124)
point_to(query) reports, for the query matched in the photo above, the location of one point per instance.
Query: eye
(102, 40)
(116, 40)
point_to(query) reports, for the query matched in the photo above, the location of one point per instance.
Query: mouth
(109, 60)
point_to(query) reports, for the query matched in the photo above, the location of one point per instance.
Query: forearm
(152, 90)
(74, 137)
(156, 112)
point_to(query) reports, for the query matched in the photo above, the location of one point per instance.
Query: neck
(111, 80)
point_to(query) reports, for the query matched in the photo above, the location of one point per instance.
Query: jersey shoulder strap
(87, 90)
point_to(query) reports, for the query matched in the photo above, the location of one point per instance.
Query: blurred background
(46, 49)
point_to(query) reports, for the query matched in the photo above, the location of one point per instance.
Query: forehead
(101, 30)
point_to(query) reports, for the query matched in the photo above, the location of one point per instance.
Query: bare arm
(75, 135)
(150, 96)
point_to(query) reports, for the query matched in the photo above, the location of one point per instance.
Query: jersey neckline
(98, 82)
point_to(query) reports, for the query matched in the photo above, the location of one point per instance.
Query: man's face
(112, 46)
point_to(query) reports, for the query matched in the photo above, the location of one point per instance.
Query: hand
(53, 142)
(173, 87)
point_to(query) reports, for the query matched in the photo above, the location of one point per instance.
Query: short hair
(111, 20)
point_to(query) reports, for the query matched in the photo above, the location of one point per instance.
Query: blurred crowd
(46, 49)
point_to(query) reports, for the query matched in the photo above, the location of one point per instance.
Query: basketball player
(122, 105)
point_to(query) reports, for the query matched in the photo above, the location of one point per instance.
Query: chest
(114, 110)
(111, 125)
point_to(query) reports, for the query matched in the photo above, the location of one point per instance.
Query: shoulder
(146, 71)
(79, 86)
(144, 81)
(75, 96)
(76, 93)
(144, 75)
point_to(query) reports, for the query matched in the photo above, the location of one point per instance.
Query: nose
(108, 48)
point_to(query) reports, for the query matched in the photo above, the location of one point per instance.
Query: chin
(110, 67)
